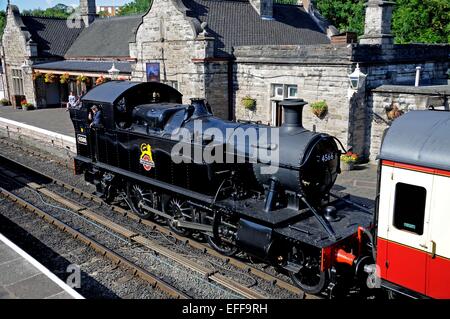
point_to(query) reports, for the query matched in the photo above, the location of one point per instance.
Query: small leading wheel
(137, 196)
(180, 211)
(309, 278)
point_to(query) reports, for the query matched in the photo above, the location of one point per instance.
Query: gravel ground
(56, 250)
(230, 271)
(160, 266)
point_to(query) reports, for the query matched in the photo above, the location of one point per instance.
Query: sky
(43, 4)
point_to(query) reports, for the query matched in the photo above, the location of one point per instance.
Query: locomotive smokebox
(293, 109)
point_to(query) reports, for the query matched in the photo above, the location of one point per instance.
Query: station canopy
(419, 138)
(87, 68)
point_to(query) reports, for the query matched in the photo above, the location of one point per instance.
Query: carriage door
(408, 242)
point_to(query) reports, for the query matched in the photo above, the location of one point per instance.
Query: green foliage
(319, 108)
(346, 15)
(2, 21)
(422, 21)
(135, 7)
(58, 11)
(249, 103)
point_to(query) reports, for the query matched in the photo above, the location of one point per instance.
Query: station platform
(22, 277)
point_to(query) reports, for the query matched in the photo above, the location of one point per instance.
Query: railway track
(210, 274)
(101, 249)
(276, 281)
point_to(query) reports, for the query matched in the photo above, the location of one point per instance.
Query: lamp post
(357, 78)
(113, 72)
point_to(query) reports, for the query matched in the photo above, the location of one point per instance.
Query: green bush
(5, 102)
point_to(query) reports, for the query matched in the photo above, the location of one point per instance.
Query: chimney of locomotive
(293, 109)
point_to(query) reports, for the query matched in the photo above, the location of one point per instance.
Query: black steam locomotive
(259, 189)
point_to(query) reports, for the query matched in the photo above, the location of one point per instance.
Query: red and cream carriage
(413, 215)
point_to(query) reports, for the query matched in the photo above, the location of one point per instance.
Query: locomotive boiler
(245, 187)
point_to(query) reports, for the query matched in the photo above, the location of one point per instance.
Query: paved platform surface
(56, 120)
(361, 182)
(22, 277)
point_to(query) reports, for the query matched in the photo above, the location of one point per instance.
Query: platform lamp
(114, 72)
(357, 78)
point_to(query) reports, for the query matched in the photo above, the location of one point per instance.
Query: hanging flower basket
(393, 112)
(82, 79)
(100, 80)
(64, 78)
(49, 78)
(249, 103)
(320, 109)
(37, 75)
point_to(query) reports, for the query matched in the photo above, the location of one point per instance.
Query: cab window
(409, 207)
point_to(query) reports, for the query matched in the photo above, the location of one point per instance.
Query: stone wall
(185, 54)
(405, 98)
(18, 51)
(320, 73)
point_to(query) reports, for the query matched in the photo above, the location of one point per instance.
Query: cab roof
(111, 92)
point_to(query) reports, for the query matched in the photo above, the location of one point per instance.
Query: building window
(291, 91)
(173, 84)
(409, 207)
(17, 77)
(284, 91)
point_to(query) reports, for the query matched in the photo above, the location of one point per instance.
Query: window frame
(395, 213)
(17, 77)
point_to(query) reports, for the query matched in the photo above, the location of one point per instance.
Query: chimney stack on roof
(264, 8)
(377, 29)
(88, 11)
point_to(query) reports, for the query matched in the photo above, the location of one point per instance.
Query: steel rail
(189, 241)
(101, 249)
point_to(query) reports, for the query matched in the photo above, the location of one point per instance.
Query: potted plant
(319, 108)
(64, 78)
(4, 102)
(49, 78)
(249, 103)
(28, 106)
(348, 160)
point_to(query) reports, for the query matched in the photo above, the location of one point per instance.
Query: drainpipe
(230, 90)
(417, 75)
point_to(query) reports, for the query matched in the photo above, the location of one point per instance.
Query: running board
(179, 223)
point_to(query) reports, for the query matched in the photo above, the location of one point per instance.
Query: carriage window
(409, 207)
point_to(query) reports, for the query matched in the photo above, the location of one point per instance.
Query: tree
(422, 21)
(346, 15)
(135, 7)
(426, 21)
(58, 11)
(2, 22)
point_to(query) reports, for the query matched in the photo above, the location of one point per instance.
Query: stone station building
(225, 50)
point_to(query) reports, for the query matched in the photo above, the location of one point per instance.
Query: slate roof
(236, 23)
(106, 37)
(52, 35)
(84, 66)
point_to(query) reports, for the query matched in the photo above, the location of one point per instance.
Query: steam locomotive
(245, 187)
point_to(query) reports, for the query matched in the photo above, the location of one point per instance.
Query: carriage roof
(419, 138)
